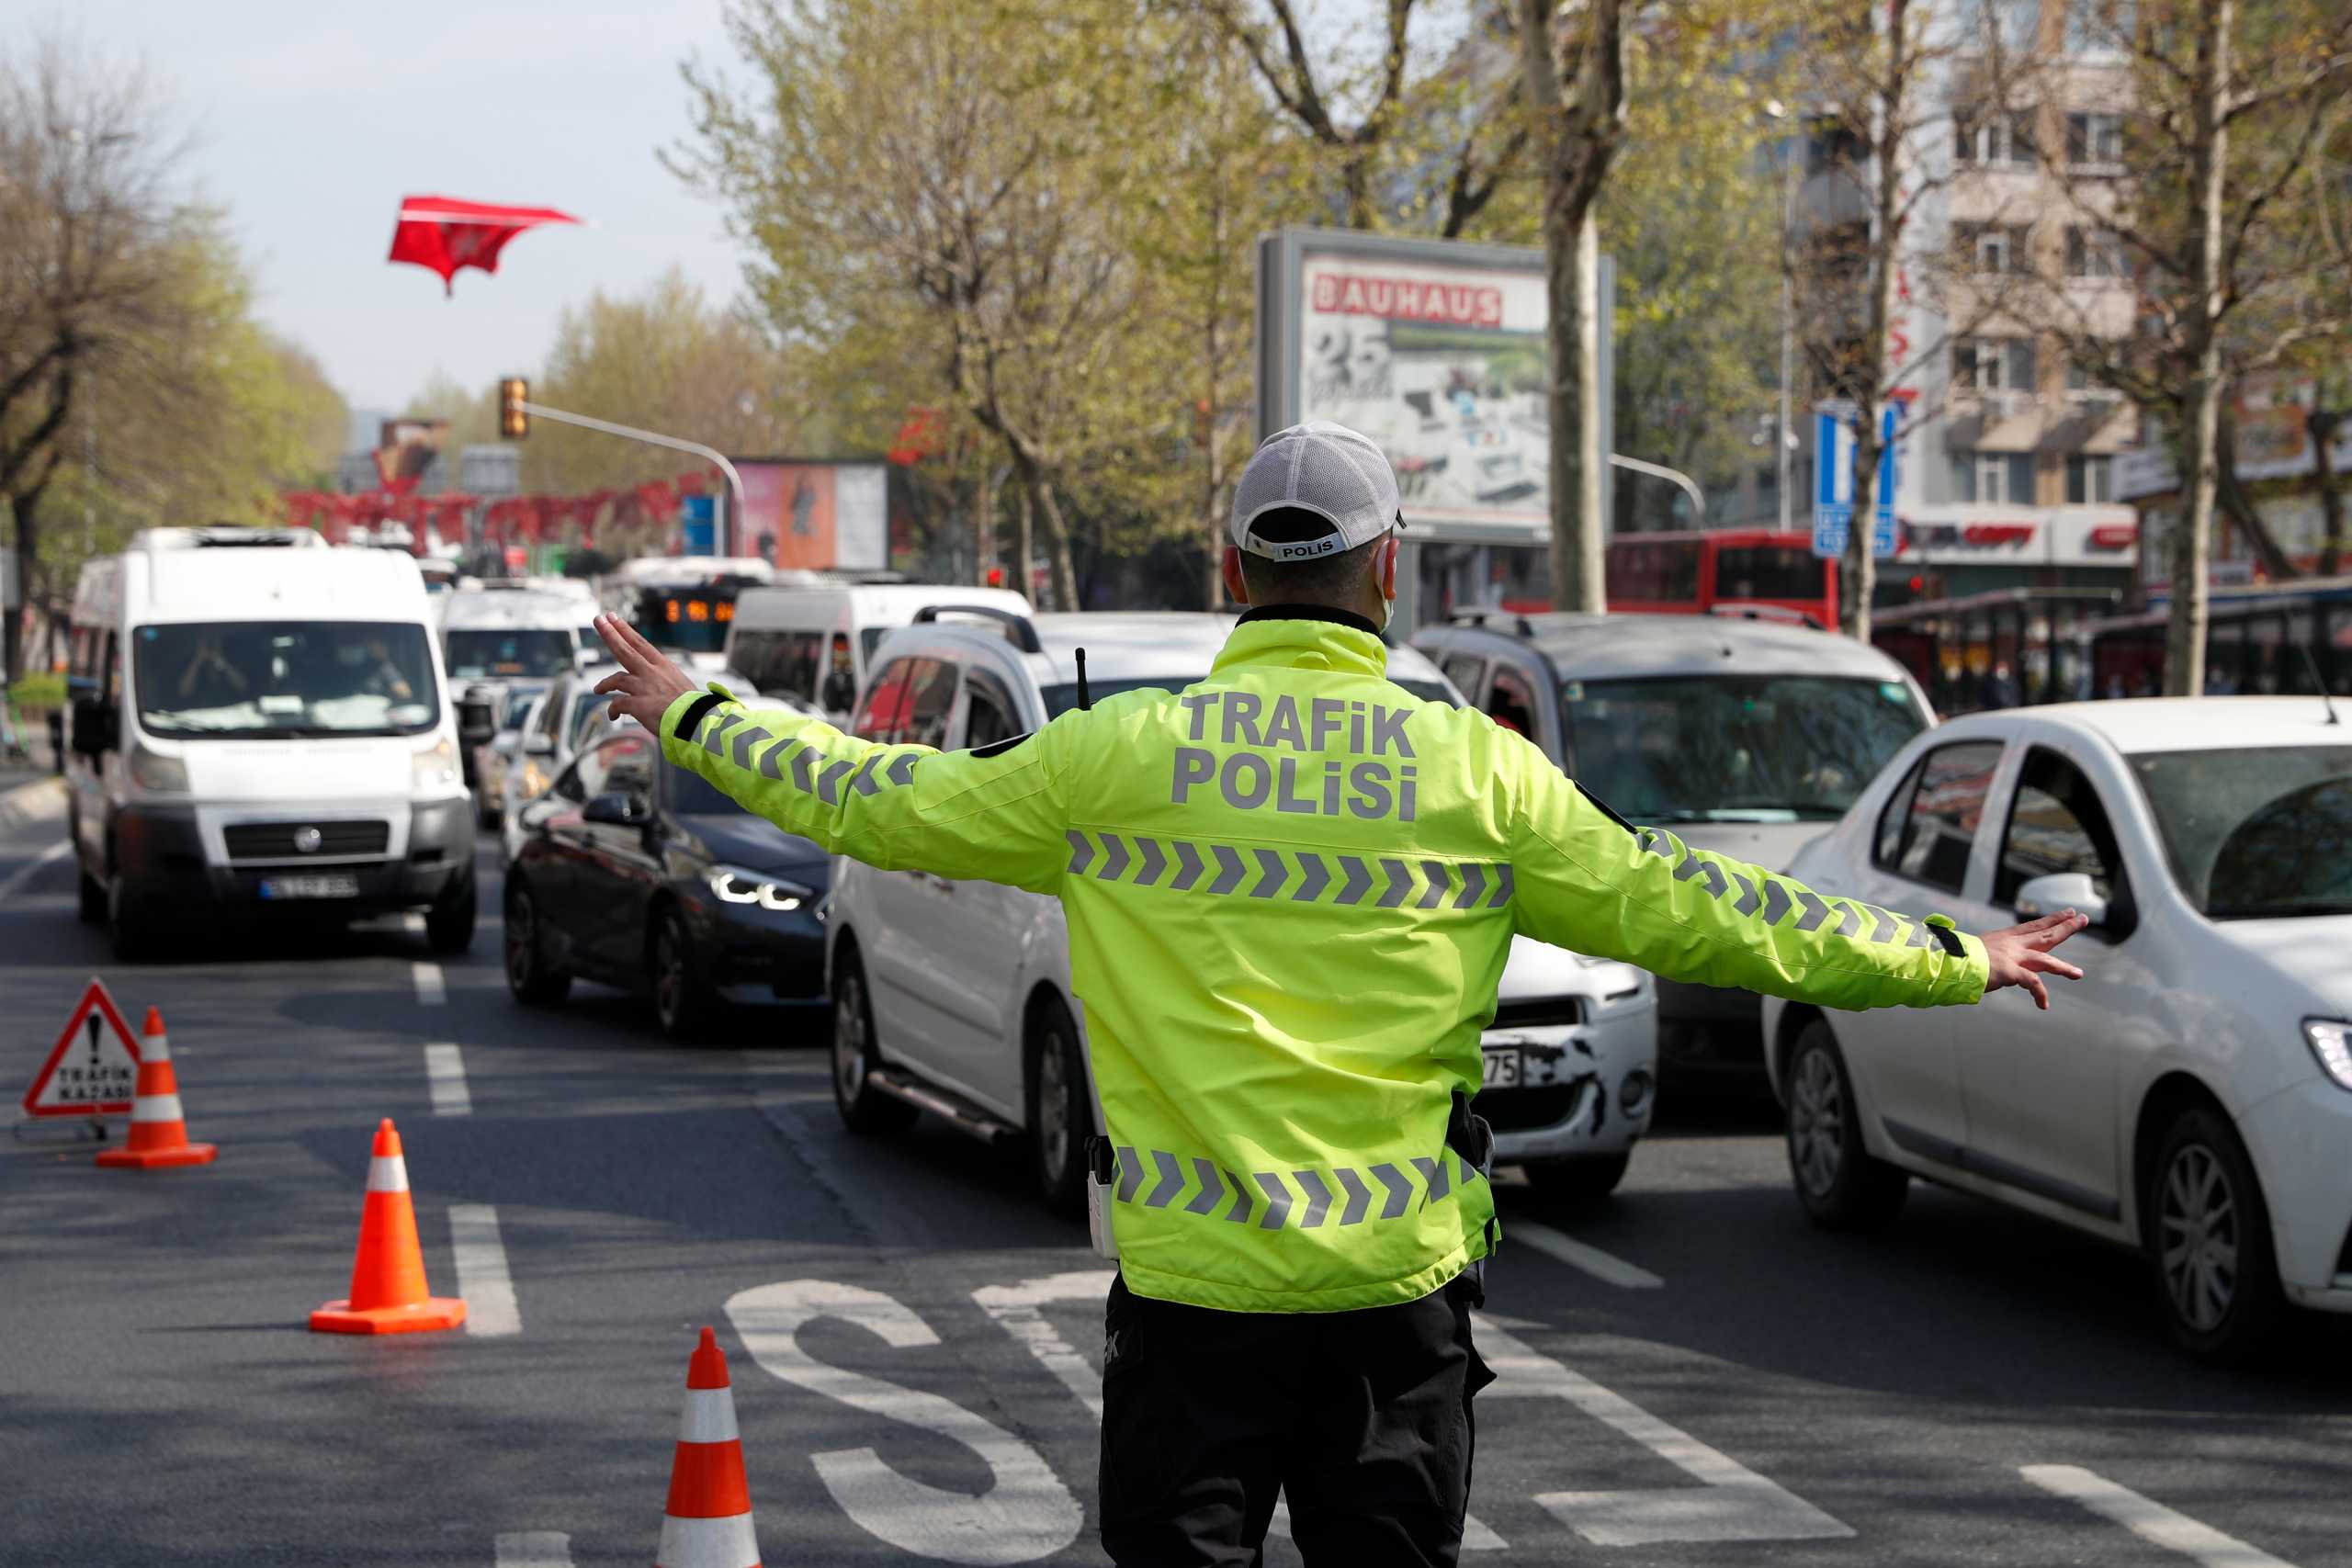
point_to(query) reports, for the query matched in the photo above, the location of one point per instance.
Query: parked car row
(2191, 1097)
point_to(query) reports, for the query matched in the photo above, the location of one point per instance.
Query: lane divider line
(444, 1076)
(1583, 1255)
(534, 1549)
(24, 874)
(429, 991)
(483, 1280)
(2148, 1520)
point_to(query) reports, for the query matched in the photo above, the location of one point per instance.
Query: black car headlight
(734, 884)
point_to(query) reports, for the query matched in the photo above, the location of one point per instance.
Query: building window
(2093, 252)
(1833, 144)
(1990, 247)
(1991, 136)
(2089, 479)
(1994, 364)
(2097, 26)
(1994, 478)
(2095, 138)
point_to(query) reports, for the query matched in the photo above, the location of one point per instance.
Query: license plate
(1503, 1067)
(309, 887)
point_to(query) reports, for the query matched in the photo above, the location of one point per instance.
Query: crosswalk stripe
(2148, 1520)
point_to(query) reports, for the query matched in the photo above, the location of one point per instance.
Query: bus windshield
(693, 620)
(1734, 748)
(483, 652)
(278, 680)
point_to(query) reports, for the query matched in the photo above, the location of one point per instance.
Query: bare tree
(89, 281)
(1579, 119)
(2227, 107)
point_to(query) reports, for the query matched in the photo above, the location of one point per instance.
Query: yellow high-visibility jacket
(1290, 891)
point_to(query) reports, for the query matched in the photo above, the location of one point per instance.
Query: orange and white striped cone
(707, 1523)
(388, 1289)
(158, 1126)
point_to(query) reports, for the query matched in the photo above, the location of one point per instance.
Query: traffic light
(513, 419)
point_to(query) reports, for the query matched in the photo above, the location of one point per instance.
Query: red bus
(1695, 573)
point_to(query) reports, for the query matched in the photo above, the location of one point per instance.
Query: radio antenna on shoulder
(1086, 701)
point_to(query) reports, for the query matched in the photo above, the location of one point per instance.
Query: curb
(29, 801)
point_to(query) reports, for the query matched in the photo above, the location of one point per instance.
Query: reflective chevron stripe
(732, 738)
(1294, 877)
(1295, 1199)
(1769, 901)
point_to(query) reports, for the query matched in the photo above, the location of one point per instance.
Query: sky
(309, 121)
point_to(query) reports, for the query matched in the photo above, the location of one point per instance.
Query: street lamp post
(1776, 111)
(732, 537)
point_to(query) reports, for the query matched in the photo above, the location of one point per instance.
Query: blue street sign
(1833, 468)
(698, 520)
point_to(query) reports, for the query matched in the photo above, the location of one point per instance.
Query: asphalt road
(1691, 1377)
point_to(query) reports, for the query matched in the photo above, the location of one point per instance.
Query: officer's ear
(1235, 587)
(1384, 566)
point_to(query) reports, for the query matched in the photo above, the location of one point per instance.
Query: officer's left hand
(647, 683)
(2021, 955)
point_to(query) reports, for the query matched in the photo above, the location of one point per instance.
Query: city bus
(1697, 573)
(2265, 638)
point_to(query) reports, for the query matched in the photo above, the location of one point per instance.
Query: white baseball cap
(1328, 469)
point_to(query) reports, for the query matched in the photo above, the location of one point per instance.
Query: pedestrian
(1288, 1054)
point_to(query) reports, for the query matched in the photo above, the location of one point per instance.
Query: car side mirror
(618, 810)
(538, 744)
(2064, 890)
(97, 726)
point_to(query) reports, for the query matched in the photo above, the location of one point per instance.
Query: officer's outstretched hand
(2021, 956)
(647, 683)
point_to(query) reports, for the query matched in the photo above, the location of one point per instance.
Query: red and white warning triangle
(93, 1070)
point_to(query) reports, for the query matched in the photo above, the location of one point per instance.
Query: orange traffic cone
(387, 1292)
(707, 1523)
(158, 1129)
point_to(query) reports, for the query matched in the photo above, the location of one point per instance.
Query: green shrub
(44, 690)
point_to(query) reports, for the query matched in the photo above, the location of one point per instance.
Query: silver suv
(1747, 735)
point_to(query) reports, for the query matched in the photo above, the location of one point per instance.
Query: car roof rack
(1019, 629)
(1476, 616)
(1781, 614)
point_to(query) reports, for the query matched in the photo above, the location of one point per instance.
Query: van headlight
(2330, 1040)
(733, 884)
(156, 774)
(434, 768)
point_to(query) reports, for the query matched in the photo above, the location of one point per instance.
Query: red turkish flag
(442, 234)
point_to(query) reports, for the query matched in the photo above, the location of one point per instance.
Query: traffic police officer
(1290, 892)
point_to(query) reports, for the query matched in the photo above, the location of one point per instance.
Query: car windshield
(1734, 748)
(518, 708)
(1059, 700)
(477, 653)
(2255, 833)
(274, 680)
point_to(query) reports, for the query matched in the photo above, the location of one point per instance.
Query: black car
(638, 874)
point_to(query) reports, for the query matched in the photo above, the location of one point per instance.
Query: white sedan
(2191, 1096)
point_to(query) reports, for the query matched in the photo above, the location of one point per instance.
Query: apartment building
(2006, 453)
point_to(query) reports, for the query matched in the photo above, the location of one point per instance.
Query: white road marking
(534, 1549)
(1015, 1309)
(2148, 1520)
(1731, 1503)
(1026, 1513)
(23, 874)
(1582, 1255)
(445, 1075)
(482, 1276)
(429, 988)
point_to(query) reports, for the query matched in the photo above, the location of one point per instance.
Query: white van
(501, 632)
(262, 722)
(818, 644)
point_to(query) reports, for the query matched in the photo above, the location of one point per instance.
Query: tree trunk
(2200, 424)
(1058, 537)
(1577, 142)
(1023, 576)
(1858, 571)
(2323, 423)
(984, 526)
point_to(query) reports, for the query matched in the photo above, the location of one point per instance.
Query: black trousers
(1361, 1418)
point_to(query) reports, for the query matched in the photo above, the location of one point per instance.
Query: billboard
(1433, 348)
(822, 514)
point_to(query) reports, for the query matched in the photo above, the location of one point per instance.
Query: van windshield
(1734, 748)
(274, 680)
(481, 652)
